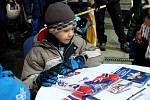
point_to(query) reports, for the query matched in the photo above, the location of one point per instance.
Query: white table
(54, 93)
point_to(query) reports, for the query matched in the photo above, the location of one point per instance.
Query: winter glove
(72, 64)
(48, 77)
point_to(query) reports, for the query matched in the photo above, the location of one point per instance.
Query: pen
(136, 93)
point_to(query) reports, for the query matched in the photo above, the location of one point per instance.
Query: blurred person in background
(3, 33)
(35, 10)
(113, 8)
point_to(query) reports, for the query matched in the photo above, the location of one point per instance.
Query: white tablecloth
(54, 93)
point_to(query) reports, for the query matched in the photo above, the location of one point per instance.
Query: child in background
(140, 46)
(57, 50)
(12, 88)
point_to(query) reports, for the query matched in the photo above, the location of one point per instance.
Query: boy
(57, 50)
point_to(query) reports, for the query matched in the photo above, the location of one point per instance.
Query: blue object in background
(27, 45)
(12, 88)
(36, 25)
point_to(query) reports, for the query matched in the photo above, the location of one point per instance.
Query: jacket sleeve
(33, 65)
(94, 55)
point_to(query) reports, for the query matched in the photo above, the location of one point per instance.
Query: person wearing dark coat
(113, 8)
(3, 34)
(35, 10)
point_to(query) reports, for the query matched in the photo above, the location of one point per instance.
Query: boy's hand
(64, 70)
(47, 78)
(69, 66)
(72, 64)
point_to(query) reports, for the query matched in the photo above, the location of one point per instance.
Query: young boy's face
(66, 35)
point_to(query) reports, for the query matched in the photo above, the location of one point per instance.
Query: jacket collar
(42, 34)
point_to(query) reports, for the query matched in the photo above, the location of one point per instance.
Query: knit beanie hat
(12, 88)
(58, 16)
